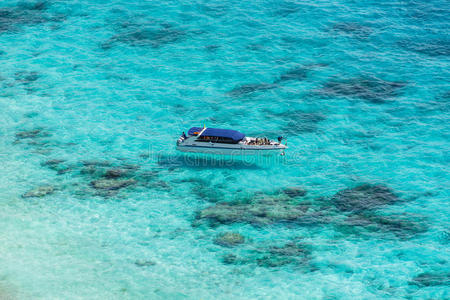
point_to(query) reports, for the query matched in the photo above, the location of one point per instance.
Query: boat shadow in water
(195, 161)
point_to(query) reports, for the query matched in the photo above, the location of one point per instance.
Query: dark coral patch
(31, 114)
(107, 178)
(39, 191)
(38, 5)
(274, 256)
(52, 162)
(112, 184)
(370, 224)
(230, 259)
(229, 239)
(212, 48)
(210, 193)
(99, 163)
(364, 197)
(13, 18)
(433, 48)
(226, 213)
(115, 173)
(372, 89)
(26, 77)
(299, 73)
(294, 192)
(247, 89)
(144, 263)
(263, 209)
(32, 137)
(29, 134)
(431, 279)
(290, 253)
(56, 165)
(145, 35)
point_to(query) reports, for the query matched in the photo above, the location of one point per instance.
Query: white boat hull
(230, 151)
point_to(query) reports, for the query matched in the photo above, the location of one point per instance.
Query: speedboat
(227, 141)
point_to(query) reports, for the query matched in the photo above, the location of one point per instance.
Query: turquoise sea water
(358, 207)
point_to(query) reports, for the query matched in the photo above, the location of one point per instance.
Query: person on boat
(184, 135)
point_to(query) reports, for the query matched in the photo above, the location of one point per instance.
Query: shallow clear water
(360, 90)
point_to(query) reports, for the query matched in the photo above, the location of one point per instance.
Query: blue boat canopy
(217, 132)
